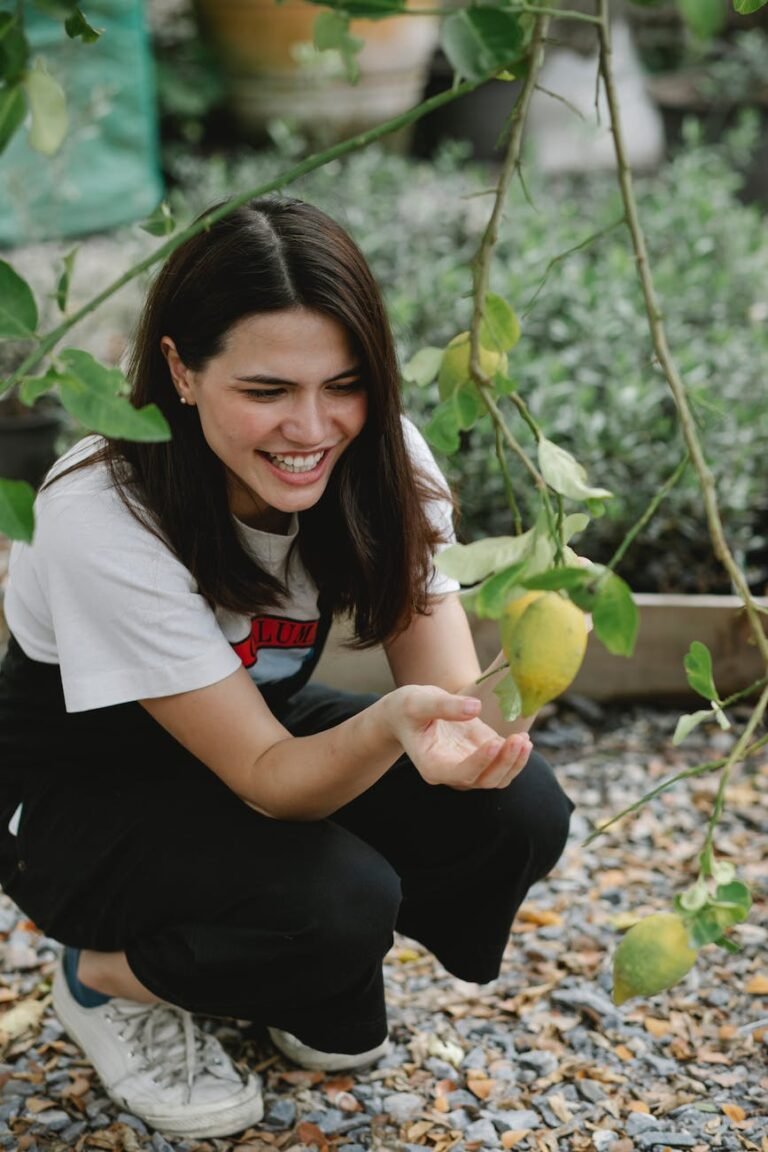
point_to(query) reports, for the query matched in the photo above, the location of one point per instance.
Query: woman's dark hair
(367, 542)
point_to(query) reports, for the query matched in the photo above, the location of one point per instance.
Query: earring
(182, 399)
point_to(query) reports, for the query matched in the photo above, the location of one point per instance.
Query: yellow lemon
(454, 366)
(653, 955)
(544, 637)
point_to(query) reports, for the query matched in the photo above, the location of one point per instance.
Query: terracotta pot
(270, 71)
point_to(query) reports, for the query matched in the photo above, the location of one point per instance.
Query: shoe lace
(172, 1048)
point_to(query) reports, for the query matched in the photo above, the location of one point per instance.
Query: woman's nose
(306, 423)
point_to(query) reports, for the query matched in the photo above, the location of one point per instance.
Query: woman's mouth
(296, 464)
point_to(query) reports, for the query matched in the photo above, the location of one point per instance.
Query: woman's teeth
(297, 463)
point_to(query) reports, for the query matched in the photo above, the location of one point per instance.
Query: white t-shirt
(99, 595)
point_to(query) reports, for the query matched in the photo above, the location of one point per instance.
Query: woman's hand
(447, 742)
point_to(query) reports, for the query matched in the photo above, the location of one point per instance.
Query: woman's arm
(439, 649)
(229, 727)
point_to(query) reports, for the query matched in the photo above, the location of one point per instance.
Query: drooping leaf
(615, 616)
(508, 695)
(564, 474)
(442, 431)
(694, 897)
(76, 26)
(494, 592)
(64, 281)
(13, 109)
(500, 327)
(33, 387)
(688, 722)
(481, 41)
(705, 18)
(331, 33)
(14, 49)
(747, 7)
(723, 871)
(160, 222)
(16, 516)
(423, 366)
(561, 578)
(364, 9)
(698, 670)
(467, 405)
(93, 394)
(469, 563)
(734, 894)
(18, 310)
(48, 106)
(505, 385)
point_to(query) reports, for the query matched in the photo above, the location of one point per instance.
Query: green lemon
(454, 366)
(544, 638)
(652, 956)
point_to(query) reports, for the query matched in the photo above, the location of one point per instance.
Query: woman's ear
(180, 374)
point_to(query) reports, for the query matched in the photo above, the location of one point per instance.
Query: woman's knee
(354, 901)
(540, 812)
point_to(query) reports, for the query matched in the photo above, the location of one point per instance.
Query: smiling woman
(201, 828)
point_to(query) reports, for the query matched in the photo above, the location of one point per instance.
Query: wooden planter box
(668, 624)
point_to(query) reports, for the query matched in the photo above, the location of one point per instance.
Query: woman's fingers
(497, 762)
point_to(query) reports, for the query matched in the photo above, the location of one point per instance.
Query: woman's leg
(466, 859)
(218, 909)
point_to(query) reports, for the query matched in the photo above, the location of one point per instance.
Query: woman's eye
(264, 393)
(348, 386)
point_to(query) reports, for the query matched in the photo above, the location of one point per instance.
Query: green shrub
(585, 364)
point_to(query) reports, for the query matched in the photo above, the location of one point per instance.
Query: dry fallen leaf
(734, 1112)
(22, 1018)
(758, 985)
(513, 1136)
(657, 1027)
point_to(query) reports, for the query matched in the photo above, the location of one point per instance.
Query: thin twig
(353, 144)
(650, 511)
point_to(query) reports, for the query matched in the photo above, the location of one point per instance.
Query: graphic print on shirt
(276, 646)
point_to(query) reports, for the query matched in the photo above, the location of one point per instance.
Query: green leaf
(423, 366)
(62, 287)
(48, 106)
(694, 897)
(500, 327)
(469, 563)
(331, 33)
(560, 578)
(729, 945)
(17, 519)
(77, 25)
(364, 9)
(747, 7)
(688, 722)
(504, 385)
(91, 393)
(14, 49)
(467, 405)
(18, 310)
(480, 41)
(734, 894)
(442, 431)
(494, 592)
(705, 18)
(615, 616)
(564, 474)
(33, 387)
(508, 695)
(161, 222)
(13, 109)
(723, 872)
(698, 670)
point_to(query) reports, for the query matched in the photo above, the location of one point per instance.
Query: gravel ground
(539, 1060)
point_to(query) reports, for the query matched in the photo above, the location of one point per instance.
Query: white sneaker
(312, 1058)
(154, 1062)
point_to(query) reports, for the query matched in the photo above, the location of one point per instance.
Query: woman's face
(278, 406)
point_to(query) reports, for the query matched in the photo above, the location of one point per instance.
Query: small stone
(640, 1122)
(481, 1132)
(602, 1138)
(333, 1120)
(462, 1099)
(71, 1135)
(591, 1090)
(515, 1119)
(280, 1114)
(664, 1139)
(54, 1120)
(403, 1106)
(160, 1144)
(475, 1058)
(545, 1063)
(132, 1122)
(456, 1119)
